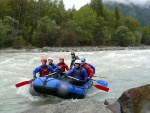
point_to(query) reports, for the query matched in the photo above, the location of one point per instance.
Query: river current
(123, 69)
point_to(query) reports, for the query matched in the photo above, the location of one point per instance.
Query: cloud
(80, 3)
(77, 3)
(136, 2)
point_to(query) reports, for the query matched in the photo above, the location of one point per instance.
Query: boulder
(109, 101)
(135, 100)
(113, 105)
(68, 106)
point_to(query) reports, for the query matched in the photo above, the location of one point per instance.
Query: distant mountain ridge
(139, 12)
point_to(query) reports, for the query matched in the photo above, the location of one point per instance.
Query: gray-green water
(122, 69)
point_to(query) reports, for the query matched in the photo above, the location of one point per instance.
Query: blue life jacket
(43, 70)
(78, 73)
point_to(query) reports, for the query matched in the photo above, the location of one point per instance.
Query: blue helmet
(83, 59)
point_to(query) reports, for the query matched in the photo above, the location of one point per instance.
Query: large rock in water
(67, 106)
(136, 100)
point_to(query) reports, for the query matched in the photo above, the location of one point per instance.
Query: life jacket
(88, 70)
(62, 67)
(44, 71)
(77, 72)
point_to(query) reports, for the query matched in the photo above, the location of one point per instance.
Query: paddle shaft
(28, 81)
(98, 86)
(100, 76)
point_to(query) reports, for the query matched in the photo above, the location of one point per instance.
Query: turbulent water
(121, 69)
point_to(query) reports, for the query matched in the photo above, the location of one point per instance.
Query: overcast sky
(79, 3)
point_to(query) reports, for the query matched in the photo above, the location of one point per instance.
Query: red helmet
(44, 59)
(61, 58)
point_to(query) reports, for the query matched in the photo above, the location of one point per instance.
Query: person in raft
(53, 65)
(73, 58)
(43, 69)
(63, 66)
(87, 68)
(79, 73)
(91, 66)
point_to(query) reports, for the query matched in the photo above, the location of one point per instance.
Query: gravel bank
(70, 49)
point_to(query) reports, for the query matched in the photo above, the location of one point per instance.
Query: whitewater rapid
(121, 69)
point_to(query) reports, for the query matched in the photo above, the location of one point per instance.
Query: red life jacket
(88, 70)
(45, 71)
(62, 67)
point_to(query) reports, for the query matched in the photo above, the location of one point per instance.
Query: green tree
(4, 8)
(123, 37)
(46, 34)
(69, 34)
(102, 35)
(12, 30)
(132, 24)
(98, 7)
(138, 37)
(18, 42)
(62, 11)
(57, 12)
(146, 35)
(85, 18)
(70, 13)
(117, 15)
(4, 29)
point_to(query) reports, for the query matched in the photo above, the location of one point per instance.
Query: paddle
(100, 76)
(28, 81)
(101, 82)
(22, 83)
(102, 85)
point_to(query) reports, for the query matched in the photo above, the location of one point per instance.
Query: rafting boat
(59, 87)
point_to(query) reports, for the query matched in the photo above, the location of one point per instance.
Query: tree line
(39, 23)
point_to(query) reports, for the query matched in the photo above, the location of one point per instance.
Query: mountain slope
(141, 13)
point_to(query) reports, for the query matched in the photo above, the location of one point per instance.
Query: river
(123, 69)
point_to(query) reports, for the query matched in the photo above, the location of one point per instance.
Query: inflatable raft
(59, 87)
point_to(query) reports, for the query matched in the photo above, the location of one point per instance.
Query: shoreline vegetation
(70, 49)
(42, 23)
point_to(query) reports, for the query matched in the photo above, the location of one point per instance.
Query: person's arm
(70, 72)
(66, 67)
(36, 70)
(84, 74)
(56, 68)
(90, 72)
(50, 69)
(93, 68)
(72, 63)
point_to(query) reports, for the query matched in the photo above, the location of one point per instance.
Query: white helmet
(50, 59)
(78, 62)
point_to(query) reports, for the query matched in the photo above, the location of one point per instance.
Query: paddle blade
(101, 87)
(22, 83)
(102, 83)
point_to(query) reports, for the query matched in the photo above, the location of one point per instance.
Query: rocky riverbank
(135, 100)
(70, 49)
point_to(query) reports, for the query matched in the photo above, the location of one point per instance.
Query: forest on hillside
(141, 13)
(26, 23)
